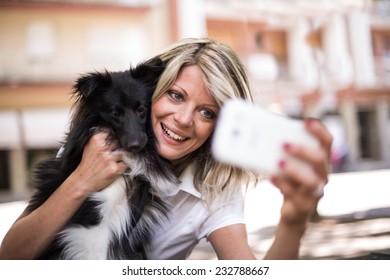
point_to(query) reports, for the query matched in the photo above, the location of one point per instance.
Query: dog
(116, 222)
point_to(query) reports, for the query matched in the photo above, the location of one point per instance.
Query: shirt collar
(187, 182)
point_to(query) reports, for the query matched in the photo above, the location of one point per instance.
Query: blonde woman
(200, 75)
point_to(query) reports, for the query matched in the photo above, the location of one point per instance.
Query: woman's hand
(100, 165)
(302, 184)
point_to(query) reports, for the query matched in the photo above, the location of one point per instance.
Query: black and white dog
(116, 222)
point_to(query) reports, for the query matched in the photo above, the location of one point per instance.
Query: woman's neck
(181, 163)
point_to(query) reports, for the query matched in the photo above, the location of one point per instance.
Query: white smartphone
(251, 137)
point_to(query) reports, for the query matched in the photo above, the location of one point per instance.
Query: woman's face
(183, 118)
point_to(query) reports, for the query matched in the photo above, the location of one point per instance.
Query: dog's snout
(137, 144)
(135, 147)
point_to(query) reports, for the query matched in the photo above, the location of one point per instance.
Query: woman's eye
(176, 95)
(208, 114)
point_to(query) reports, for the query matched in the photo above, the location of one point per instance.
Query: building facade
(44, 47)
(323, 59)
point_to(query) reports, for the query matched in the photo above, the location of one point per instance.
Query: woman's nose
(184, 117)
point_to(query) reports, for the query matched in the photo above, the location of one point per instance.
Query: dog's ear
(148, 71)
(89, 83)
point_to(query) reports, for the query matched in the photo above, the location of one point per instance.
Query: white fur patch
(161, 185)
(93, 242)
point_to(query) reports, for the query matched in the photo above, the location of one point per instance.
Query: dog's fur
(114, 223)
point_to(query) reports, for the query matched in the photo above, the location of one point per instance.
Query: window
(40, 41)
(116, 47)
(368, 135)
(4, 171)
(34, 157)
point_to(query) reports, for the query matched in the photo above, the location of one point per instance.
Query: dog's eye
(141, 110)
(116, 114)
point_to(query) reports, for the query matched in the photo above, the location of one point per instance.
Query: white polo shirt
(189, 220)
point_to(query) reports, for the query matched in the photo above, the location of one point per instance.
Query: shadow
(6, 197)
(358, 235)
(375, 213)
(363, 235)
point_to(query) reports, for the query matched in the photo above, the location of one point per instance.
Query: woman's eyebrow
(184, 91)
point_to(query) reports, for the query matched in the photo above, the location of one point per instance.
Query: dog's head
(119, 101)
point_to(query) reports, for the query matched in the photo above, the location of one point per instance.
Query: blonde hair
(225, 78)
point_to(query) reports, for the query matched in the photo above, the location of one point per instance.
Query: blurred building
(324, 59)
(320, 58)
(44, 47)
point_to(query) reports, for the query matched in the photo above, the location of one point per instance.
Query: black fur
(118, 102)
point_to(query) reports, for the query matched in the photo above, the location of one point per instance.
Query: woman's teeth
(173, 135)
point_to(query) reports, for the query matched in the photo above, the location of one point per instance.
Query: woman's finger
(303, 178)
(318, 159)
(318, 129)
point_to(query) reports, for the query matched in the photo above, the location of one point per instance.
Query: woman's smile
(172, 135)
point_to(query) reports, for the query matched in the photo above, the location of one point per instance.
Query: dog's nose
(135, 145)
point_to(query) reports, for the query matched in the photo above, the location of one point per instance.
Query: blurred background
(328, 59)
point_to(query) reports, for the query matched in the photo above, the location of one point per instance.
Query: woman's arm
(32, 232)
(298, 185)
(231, 243)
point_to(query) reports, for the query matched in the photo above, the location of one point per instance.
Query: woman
(200, 76)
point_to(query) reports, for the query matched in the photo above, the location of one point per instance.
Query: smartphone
(248, 136)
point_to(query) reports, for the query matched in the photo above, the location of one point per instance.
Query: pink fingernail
(308, 122)
(286, 146)
(282, 164)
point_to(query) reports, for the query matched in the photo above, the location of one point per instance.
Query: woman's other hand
(301, 182)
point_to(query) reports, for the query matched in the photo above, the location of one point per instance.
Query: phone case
(251, 137)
